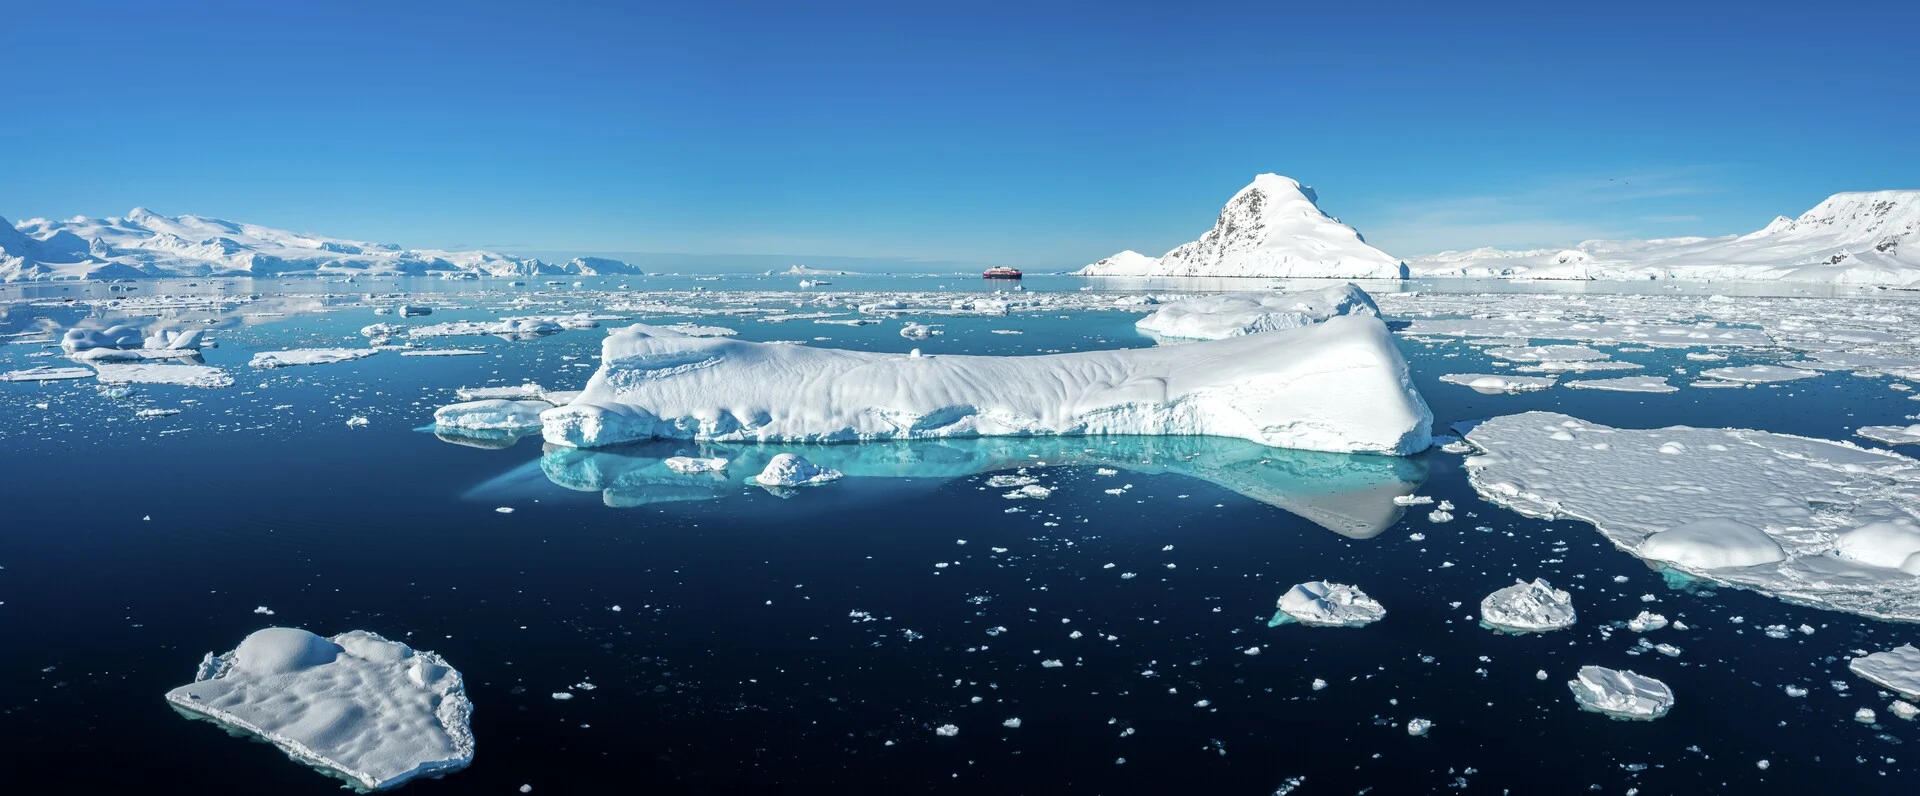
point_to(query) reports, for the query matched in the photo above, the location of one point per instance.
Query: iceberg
(1815, 522)
(1621, 694)
(149, 373)
(690, 465)
(1274, 227)
(1237, 314)
(493, 414)
(1897, 670)
(1337, 386)
(1891, 435)
(119, 336)
(374, 712)
(1322, 604)
(1525, 607)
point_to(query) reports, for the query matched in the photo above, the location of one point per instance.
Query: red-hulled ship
(1001, 272)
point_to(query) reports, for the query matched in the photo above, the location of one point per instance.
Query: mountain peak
(1273, 227)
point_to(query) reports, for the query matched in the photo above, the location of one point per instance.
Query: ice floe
(308, 356)
(151, 373)
(1647, 384)
(1493, 383)
(374, 712)
(1336, 386)
(1322, 604)
(1525, 607)
(1897, 670)
(1621, 694)
(46, 373)
(1759, 374)
(689, 464)
(1892, 435)
(1821, 523)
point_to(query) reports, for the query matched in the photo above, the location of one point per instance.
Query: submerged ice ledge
(1338, 386)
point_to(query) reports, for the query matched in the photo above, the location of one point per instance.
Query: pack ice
(374, 712)
(1821, 523)
(1621, 694)
(1238, 314)
(1337, 386)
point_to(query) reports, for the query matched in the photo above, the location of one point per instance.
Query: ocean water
(812, 640)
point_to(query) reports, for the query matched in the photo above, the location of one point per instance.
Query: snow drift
(1338, 386)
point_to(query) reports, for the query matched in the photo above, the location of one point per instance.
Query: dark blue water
(733, 664)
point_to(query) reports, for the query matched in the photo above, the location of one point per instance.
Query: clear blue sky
(1035, 133)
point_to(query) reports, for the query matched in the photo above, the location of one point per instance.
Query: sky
(1036, 134)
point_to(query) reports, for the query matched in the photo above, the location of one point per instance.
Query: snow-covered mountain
(1272, 228)
(146, 244)
(1864, 238)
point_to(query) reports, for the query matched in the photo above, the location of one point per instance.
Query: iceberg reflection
(1351, 495)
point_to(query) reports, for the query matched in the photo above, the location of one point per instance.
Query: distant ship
(1001, 272)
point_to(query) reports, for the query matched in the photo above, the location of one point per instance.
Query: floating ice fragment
(1525, 607)
(375, 712)
(1865, 716)
(1012, 724)
(1621, 694)
(1322, 604)
(308, 356)
(946, 730)
(1897, 670)
(491, 415)
(1646, 622)
(1418, 727)
(789, 469)
(691, 465)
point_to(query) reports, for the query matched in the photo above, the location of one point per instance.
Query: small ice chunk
(1525, 607)
(1011, 724)
(1621, 694)
(1865, 716)
(946, 730)
(1903, 710)
(1322, 604)
(789, 469)
(1418, 727)
(1646, 621)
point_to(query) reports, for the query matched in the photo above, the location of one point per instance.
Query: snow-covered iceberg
(1525, 607)
(374, 712)
(1897, 670)
(1336, 386)
(1821, 523)
(1237, 314)
(1274, 227)
(789, 469)
(1491, 383)
(1322, 604)
(1621, 694)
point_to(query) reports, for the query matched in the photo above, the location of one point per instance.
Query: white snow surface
(1237, 314)
(1337, 386)
(1821, 523)
(1897, 670)
(375, 712)
(146, 244)
(1525, 607)
(1322, 604)
(1274, 227)
(1864, 238)
(1621, 694)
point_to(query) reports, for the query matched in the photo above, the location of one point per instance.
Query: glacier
(1338, 386)
(1274, 227)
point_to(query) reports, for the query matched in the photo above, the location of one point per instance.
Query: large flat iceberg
(1337, 386)
(1897, 670)
(374, 712)
(1621, 694)
(1821, 523)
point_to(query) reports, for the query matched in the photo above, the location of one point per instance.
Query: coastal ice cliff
(1338, 386)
